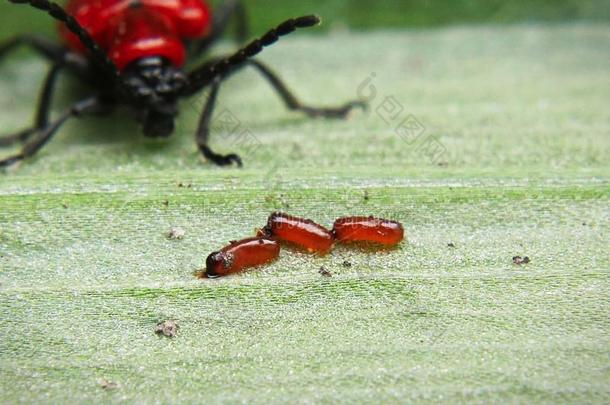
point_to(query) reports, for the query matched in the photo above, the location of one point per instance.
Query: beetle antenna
(57, 12)
(205, 74)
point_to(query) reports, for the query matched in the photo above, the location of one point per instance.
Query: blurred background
(364, 14)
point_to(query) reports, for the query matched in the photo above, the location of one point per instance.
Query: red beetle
(133, 52)
(129, 30)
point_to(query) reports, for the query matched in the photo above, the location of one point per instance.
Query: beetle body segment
(368, 230)
(241, 255)
(129, 30)
(300, 232)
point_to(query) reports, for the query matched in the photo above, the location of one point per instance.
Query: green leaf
(521, 113)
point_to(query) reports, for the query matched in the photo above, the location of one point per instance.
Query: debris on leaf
(518, 260)
(187, 185)
(107, 385)
(347, 264)
(366, 195)
(64, 205)
(451, 244)
(325, 272)
(167, 328)
(176, 233)
(165, 203)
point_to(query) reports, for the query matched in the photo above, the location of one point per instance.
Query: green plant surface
(521, 113)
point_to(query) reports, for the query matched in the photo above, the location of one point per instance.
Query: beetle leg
(58, 13)
(294, 104)
(44, 47)
(207, 73)
(45, 135)
(232, 10)
(19, 137)
(203, 131)
(42, 114)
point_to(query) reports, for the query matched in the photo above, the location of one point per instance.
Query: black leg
(45, 135)
(44, 47)
(232, 10)
(294, 104)
(96, 53)
(203, 131)
(42, 114)
(18, 137)
(207, 73)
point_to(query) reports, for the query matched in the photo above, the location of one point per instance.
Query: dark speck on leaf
(518, 260)
(64, 205)
(325, 272)
(108, 385)
(165, 203)
(176, 233)
(451, 244)
(167, 328)
(347, 264)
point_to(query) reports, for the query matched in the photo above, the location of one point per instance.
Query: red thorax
(129, 30)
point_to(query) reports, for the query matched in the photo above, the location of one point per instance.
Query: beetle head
(156, 84)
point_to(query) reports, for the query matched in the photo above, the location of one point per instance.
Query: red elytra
(301, 232)
(240, 255)
(368, 230)
(132, 29)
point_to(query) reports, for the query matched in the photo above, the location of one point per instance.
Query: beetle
(133, 53)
